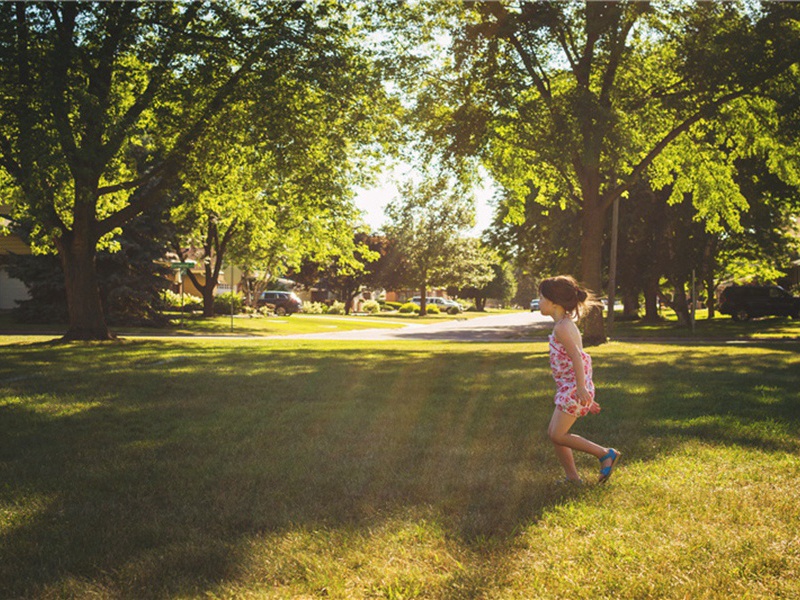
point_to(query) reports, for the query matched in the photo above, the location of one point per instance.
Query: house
(11, 289)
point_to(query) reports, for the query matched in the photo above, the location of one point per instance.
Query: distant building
(11, 289)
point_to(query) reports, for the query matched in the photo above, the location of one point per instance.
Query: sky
(372, 202)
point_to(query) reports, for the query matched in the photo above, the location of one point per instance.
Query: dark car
(745, 301)
(283, 303)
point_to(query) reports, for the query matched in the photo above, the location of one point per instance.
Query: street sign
(183, 265)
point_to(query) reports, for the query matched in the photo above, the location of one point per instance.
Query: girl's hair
(566, 292)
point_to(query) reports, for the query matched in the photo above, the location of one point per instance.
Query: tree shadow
(144, 466)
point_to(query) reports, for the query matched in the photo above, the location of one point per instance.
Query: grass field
(298, 469)
(192, 324)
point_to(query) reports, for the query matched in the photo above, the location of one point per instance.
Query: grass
(305, 469)
(255, 326)
(720, 327)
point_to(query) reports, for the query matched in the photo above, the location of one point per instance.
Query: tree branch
(704, 112)
(117, 133)
(62, 55)
(503, 18)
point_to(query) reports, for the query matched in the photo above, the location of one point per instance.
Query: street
(491, 328)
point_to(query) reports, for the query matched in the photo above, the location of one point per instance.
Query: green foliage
(175, 300)
(314, 308)
(224, 301)
(108, 110)
(427, 226)
(393, 305)
(408, 308)
(371, 306)
(336, 308)
(569, 104)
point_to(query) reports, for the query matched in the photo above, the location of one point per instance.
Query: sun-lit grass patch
(305, 469)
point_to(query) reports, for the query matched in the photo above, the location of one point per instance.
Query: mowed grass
(223, 325)
(720, 327)
(300, 469)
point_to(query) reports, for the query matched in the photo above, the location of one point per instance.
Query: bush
(315, 308)
(173, 300)
(223, 302)
(392, 305)
(453, 311)
(337, 308)
(371, 307)
(409, 307)
(432, 309)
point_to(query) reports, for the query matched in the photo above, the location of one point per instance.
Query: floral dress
(566, 387)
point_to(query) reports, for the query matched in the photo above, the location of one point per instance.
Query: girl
(565, 301)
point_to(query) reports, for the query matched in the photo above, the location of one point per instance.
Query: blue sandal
(605, 472)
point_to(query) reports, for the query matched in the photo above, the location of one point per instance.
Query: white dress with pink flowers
(566, 386)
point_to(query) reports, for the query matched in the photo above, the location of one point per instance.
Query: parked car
(745, 301)
(534, 304)
(444, 305)
(283, 303)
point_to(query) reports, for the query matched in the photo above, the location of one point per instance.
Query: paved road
(494, 328)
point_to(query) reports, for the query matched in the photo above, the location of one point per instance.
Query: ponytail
(563, 290)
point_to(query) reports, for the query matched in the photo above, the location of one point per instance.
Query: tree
(503, 286)
(582, 99)
(102, 103)
(427, 223)
(347, 276)
(130, 278)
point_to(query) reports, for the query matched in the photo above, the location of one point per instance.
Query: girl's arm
(567, 334)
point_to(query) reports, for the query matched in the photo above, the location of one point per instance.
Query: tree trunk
(651, 301)
(593, 222)
(423, 301)
(711, 300)
(680, 304)
(86, 318)
(208, 300)
(630, 303)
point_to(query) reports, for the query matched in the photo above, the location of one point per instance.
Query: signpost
(182, 267)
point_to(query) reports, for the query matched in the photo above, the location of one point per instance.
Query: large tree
(578, 100)
(102, 103)
(428, 224)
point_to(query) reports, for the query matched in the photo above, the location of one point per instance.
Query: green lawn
(256, 468)
(721, 326)
(257, 326)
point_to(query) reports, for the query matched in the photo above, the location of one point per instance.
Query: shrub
(173, 300)
(337, 308)
(371, 307)
(223, 302)
(432, 309)
(409, 307)
(392, 305)
(314, 308)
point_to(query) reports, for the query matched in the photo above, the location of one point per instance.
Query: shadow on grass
(143, 465)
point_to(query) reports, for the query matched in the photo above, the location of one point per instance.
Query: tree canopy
(576, 101)
(103, 104)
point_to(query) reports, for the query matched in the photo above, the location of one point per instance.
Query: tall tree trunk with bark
(593, 224)
(77, 249)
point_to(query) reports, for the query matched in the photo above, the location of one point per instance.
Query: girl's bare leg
(565, 442)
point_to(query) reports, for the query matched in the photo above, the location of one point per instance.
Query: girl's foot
(607, 464)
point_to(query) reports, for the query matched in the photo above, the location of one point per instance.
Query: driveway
(494, 328)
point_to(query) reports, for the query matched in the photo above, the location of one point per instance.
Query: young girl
(565, 301)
